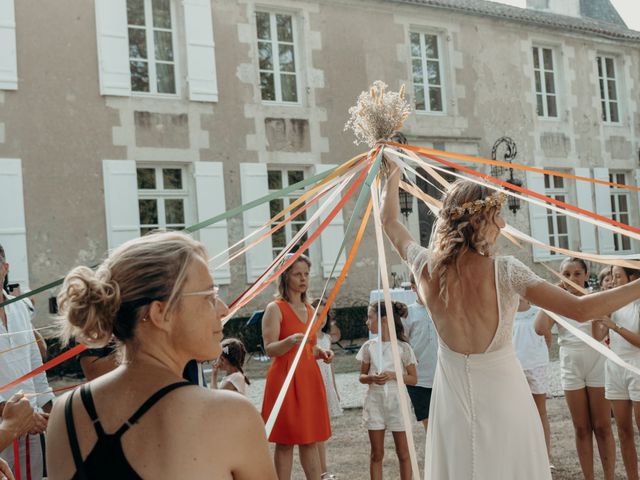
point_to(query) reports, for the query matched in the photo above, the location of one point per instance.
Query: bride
(483, 421)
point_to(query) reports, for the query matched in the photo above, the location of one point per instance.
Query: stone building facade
(120, 116)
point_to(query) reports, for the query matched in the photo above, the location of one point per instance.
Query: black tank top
(106, 459)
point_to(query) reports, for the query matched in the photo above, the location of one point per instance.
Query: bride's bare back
(469, 322)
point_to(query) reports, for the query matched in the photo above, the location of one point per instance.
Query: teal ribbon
(199, 226)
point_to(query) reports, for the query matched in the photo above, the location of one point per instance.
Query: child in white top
(231, 361)
(381, 409)
(622, 387)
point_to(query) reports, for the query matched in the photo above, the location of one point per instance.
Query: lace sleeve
(519, 276)
(416, 258)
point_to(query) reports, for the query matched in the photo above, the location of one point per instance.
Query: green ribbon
(199, 226)
(360, 202)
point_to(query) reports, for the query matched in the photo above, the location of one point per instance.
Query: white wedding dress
(483, 423)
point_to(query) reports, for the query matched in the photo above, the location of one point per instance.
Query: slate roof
(598, 16)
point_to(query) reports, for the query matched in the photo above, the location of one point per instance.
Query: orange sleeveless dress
(304, 416)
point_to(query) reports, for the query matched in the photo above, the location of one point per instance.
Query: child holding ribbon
(381, 410)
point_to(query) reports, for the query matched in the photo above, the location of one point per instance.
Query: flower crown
(469, 208)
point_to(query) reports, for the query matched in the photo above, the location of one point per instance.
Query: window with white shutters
(277, 57)
(545, 81)
(557, 223)
(426, 70)
(151, 46)
(607, 83)
(279, 179)
(620, 209)
(163, 198)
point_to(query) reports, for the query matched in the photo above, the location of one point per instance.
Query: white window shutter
(113, 47)
(538, 217)
(8, 52)
(254, 184)
(210, 201)
(13, 232)
(603, 207)
(585, 201)
(121, 201)
(201, 58)
(332, 236)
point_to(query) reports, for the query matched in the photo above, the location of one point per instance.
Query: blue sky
(629, 10)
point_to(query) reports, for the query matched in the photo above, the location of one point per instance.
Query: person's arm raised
(584, 308)
(397, 233)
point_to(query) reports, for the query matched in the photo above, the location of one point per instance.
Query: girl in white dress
(326, 369)
(582, 377)
(381, 409)
(622, 387)
(483, 423)
(231, 361)
(533, 353)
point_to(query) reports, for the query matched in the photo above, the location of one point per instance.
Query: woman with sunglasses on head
(303, 419)
(483, 422)
(142, 420)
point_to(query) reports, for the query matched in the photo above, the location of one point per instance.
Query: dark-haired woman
(582, 378)
(142, 420)
(303, 419)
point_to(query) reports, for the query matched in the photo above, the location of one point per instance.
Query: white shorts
(382, 412)
(581, 367)
(538, 379)
(622, 384)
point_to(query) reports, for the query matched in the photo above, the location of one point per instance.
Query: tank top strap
(73, 439)
(87, 401)
(150, 402)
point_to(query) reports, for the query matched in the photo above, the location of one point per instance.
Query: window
(608, 89)
(162, 198)
(546, 95)
(279, 179)
(620, 209)
(277, 57)
(426, 67)
(554, 187)
(151, 50)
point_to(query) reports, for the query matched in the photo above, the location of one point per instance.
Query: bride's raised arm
(582, 309)
(390, 210)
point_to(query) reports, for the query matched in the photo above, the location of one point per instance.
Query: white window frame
(537, 50)
(288, 228)
(554, 192)
(615, 194)
(603, 78)
(162, 194)
(151, 53)
(275, 54)
(425, 77)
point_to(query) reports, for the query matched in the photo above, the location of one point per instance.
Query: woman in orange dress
(303, 419)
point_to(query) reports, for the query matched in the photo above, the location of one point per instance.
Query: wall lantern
(510, 152)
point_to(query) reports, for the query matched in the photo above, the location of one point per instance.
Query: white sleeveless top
(629, 318)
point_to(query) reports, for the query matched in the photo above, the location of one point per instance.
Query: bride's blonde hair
(453, 233)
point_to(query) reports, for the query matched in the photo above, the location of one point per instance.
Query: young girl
(622, 387)
(382, 404)
(582, 377)
(231, 361)
(605, 278)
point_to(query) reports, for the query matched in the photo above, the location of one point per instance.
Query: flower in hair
(470, 208)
